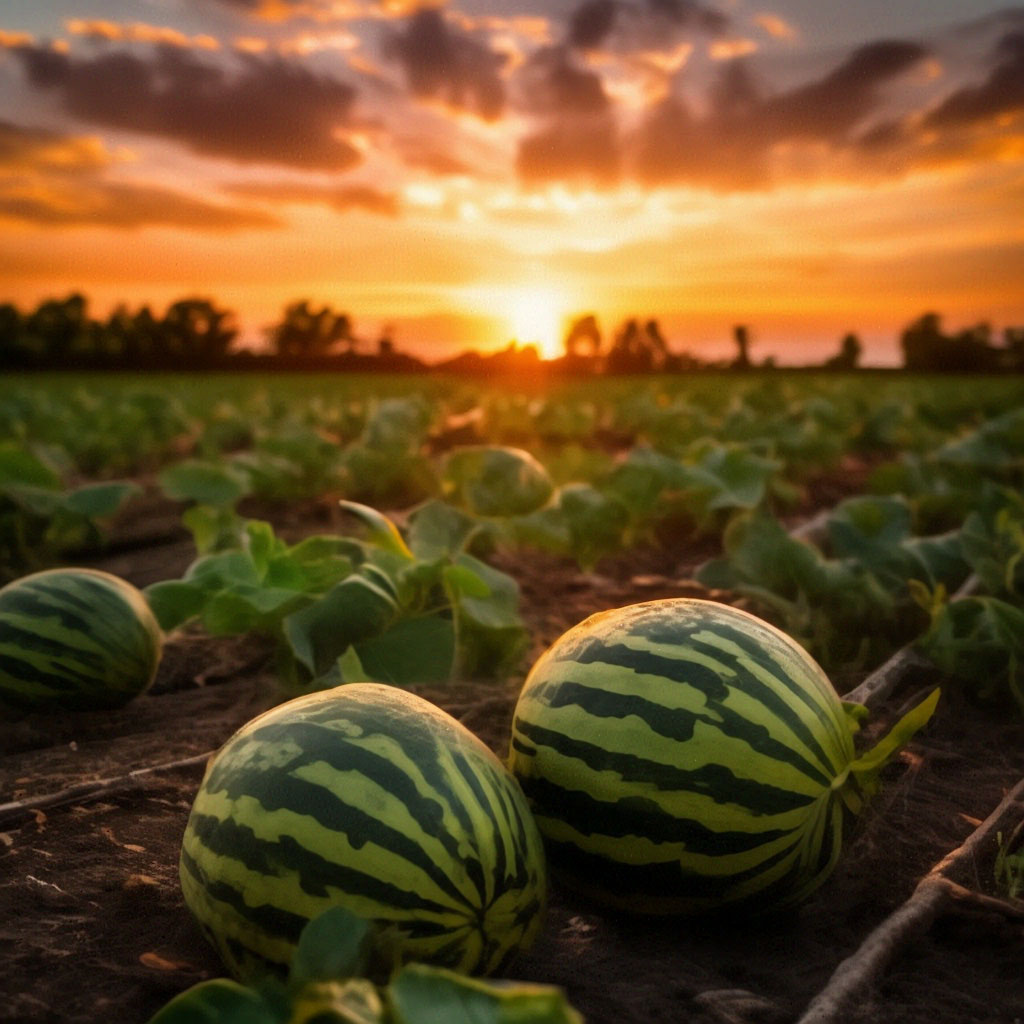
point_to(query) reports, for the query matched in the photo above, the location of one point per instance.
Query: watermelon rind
(75, 639)
(371, 798)
(683, 755)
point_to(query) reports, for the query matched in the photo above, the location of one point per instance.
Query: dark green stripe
(470, 775)
(715, 690)
(639, 816)
(316, 875)
(665, 882)
(278, 789)
(270, 919)
(713, 780)
(772, 700)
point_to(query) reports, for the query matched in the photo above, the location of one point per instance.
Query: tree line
(196, 333)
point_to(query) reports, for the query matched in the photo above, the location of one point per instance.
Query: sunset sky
(475, 172)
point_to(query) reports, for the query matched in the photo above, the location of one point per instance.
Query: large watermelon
(371, 798)
(683, 755)
(75, 639)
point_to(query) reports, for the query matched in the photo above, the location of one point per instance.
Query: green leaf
(206, 483)
(489, 633)
(333, 946)
(248, 608)
(462, 581)
(213, 528)
(596, 522)
(381, 531)
(868, 523)
(174, 602)
(355, 1001)
(95, 501)
(438, 530)
(353, 610)
(740, 475)
(496, 481)
(413, 651)
(228, 569)
(218, 1001)
(19, 466)
(431, 995)
(868, 766)
(978, 640)
(37, 501)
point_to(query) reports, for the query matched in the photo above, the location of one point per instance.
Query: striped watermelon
(682, 755)
(371, 798)
(78, 639)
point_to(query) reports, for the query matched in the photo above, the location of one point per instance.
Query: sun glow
(536, 316)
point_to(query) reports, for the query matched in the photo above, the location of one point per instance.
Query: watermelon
(76, 639)
(683, 756)
(370, 798)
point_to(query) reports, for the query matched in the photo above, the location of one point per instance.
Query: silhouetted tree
(742, 338)
(12, 340)
(195, 329)
(308, 332)
(848, 356)
(927, 348)
(1013, 345)
(637, 349)
(583, 333)
(56, 328)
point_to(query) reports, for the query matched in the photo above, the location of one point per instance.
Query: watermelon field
(296, 534)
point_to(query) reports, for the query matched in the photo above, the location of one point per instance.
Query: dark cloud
(591, 22)
(628, 24)
(341, 197)
(576, 137)
(267, 111)
(50, 179)
(550, 84)
(731, 145)
(1001, 93)
(445, 64)
(674, 146)
(831, 106)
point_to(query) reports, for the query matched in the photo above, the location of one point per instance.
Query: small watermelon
(683, 755)
(370, 798)
(76, 639)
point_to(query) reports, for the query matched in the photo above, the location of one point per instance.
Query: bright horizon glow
(468, 175)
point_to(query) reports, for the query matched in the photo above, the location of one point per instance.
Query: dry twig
(933, 894)
(15, 810)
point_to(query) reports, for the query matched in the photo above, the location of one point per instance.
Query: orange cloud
(52, 180)
(729, 49)
(775, 26)
(138, 32)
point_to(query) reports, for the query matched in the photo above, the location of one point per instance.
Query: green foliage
(40, 519)
(853, 606)
(978, 641)
(344, 608)
(493, 481)
(325, 984)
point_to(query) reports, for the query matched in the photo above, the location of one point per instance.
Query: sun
(536, 316)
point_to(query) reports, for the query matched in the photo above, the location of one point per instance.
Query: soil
(93, 927)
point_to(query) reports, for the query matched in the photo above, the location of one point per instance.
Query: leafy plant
(853, 606)
(40, 519)
(326, 984)
(370, 608)
(977, 639)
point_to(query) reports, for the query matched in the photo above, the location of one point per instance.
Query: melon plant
(369, 798)
(682, 755)
(78, 639)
